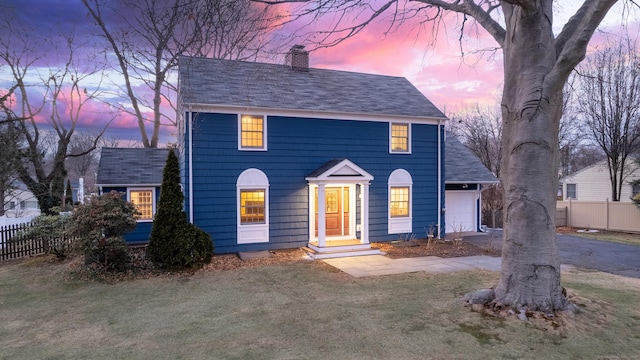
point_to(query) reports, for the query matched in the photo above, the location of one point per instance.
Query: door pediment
(339, 170)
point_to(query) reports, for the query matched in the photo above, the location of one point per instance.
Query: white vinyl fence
(602, 215)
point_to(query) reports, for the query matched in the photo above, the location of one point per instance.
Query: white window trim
(252, 179)
(264, 133)
(400, 225)
(408, 137)
(153, 201)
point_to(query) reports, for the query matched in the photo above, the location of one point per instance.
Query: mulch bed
(444, 249)
(140, 267)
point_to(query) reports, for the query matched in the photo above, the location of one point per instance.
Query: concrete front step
(340, 253)
(333, 248)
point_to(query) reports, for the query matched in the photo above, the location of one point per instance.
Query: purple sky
(450, 81)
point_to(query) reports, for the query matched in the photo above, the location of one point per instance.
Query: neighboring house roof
(600, 166)
(631, 171)
(462, 165)
(215, 82)
(131, 166)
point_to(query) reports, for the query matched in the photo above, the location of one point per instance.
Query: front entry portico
(337, 226)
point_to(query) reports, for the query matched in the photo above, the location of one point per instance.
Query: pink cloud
(437, 68)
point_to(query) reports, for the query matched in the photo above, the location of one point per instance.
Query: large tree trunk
(531, 110)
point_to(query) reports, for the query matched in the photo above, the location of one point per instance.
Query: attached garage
(461, 210)
(465, 178)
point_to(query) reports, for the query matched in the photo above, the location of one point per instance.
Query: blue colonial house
(282, 156)
(285, 156)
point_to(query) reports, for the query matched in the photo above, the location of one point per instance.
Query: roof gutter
(128, 185)
(472, 182)
(318, 114)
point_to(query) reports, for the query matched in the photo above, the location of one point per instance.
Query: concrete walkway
(375, 265)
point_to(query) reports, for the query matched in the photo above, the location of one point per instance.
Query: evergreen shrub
(174, 243)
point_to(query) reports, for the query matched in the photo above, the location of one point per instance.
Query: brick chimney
(297, 58)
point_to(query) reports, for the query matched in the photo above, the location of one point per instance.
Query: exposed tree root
(580, 314)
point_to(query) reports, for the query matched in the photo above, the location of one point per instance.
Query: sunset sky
(452, 82)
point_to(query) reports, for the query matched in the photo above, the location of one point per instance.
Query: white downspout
(479, 208)
(439, 181)
(190, 129)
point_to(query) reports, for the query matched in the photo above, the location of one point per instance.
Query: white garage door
(461, 211)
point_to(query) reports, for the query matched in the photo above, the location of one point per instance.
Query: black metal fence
(15, 244)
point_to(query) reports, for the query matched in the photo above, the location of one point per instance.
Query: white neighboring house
(592, 183)
(21, 203)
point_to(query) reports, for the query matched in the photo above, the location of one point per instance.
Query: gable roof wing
(216, 82)
(131, 166)
(463, 166)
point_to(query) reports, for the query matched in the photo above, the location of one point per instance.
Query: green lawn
(302, 310)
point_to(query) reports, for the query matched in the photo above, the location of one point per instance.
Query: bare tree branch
(156, 33)
(610, 104)
(39, 166)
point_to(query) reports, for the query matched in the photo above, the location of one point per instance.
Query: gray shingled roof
(207, 81)
(462, 166)
(131, 166)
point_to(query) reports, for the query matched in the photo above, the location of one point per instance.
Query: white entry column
(364, 213)
(322, 209)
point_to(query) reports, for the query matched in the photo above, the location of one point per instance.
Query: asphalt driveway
(607, 256)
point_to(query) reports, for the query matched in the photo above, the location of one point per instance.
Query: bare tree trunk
(2, 193)
(531, 109)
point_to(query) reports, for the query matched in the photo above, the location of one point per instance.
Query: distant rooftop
(215, 82)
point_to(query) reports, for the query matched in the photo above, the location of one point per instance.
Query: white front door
(337, 211)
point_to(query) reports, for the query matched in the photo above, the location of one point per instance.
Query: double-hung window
(400, 215)
(399, 201)
(400, 138)
(252, 206)
(635, 189)
(571, 191)
(252, 132)
(143, 200)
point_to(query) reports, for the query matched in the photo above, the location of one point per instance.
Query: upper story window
(399, 138)
(571, 191)
(143, 200)
(252, 132)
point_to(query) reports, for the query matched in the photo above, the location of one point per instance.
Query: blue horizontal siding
(296, 147)
(140, 234)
